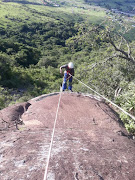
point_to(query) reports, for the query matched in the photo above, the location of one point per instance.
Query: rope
(50, 149)
(105, 98)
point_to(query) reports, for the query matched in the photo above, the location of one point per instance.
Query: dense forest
(36, 39)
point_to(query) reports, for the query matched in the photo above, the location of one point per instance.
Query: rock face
(10, 117)
(90, 142)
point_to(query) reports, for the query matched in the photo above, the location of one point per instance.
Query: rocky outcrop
(10, 117)
(90, 141)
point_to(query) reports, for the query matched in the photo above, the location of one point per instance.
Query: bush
(127, 101)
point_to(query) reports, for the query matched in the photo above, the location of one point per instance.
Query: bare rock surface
(11, 116)
(90, 142)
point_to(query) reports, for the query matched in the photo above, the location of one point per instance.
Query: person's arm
(64, 66)
(61, 70)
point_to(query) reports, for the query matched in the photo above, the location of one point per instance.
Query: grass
(14, 14)
(24, 12)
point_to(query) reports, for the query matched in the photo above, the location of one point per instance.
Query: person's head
(70, 65)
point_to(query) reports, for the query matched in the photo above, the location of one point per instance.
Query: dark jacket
(71, 71)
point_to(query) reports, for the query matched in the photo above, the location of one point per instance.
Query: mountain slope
(37, 38)
(127, 6)
(33, 44)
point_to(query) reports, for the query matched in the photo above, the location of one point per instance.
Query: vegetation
(120, 5)
(36, 39)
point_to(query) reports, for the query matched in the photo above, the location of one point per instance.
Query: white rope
(106, 99)
(49, 154)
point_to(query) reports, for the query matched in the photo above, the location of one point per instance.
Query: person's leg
(70, 83)
(64, 84)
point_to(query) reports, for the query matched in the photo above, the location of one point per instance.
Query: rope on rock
(50, 149)
(105, 98)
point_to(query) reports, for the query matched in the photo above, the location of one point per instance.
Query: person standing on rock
(69, 69)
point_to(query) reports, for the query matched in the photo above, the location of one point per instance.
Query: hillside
(36, 38)
(92, 138)
(122, 5)
(36, 35)
(89, 140)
